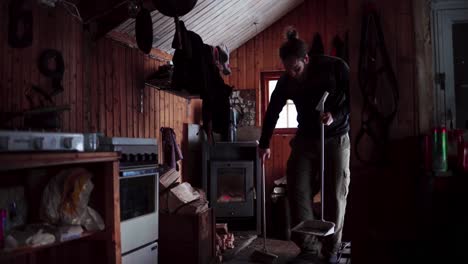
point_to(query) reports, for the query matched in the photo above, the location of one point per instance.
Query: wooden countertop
(26, 160)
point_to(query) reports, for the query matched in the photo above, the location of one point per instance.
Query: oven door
(138, 206)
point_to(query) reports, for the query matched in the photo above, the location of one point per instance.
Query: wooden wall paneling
(258, 67)
(3, 51)
(331, 25)
(35, 51)
(122, 103)
(146, 99)
(171, 110)
(160, 122)
(24, 76)
(250, 65)
(278, 39)
(179, 114)
(243, 67)
(109, 81)
(162, 101)
(320, 14)
(167, 115)
(151, 113)
(15, 90)
(156, 114)
(94, 92)
(267, 48)
(128, 92)
(135, 94)
(141, 92)
(234, 69)
(77, 83)
(115, 86)
(303, 28)
(101, 88)
(66, 47)
(8, 62)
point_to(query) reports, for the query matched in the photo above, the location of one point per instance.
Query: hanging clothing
(171, 150)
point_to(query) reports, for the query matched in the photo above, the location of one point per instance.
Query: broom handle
(322, 165)
(264, 204)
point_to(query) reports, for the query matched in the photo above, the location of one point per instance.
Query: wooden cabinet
(33, 171)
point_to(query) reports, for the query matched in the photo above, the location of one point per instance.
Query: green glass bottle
(439, 150)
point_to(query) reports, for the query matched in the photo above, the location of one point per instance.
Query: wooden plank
(112, 208)
(13, 161)
(69, 96)
(258, 68)
(100, 60)
(94, 93)
(141, 92)
(151, 113)
(234, 69)
(128, 93)
(135, 104)
(171, 110)
(146, 111)
(16, 91)
(117, 76)
(267, 49)
(157, 121)
(109, 87)
(3, 51)
(162, 106)
(250, 65)
(80, 105)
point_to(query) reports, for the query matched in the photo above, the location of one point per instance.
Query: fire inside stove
(231, 185)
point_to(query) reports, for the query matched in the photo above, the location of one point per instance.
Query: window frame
(265, 78)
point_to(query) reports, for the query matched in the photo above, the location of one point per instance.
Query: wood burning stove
(231, 179)
(232, 188)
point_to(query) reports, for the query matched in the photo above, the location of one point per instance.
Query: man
(304, 82)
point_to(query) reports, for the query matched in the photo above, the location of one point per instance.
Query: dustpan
(318, 227)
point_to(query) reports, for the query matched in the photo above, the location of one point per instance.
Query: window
(287, 121)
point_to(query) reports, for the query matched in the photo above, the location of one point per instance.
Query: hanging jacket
(171, 150)
(195, 70)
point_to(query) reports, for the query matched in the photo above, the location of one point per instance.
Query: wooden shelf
(31, 249)
(27, 160)
(91, 247)
(183, 94)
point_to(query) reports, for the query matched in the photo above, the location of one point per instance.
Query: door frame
(444, 15)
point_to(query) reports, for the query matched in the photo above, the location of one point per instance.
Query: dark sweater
(323, 73)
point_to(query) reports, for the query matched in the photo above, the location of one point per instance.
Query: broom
(318, 227)
(263, 256)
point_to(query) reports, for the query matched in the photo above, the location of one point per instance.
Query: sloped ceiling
(232, 22)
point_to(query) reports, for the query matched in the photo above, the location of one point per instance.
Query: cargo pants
(303, 175)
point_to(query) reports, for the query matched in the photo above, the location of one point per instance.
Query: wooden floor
(285, 250)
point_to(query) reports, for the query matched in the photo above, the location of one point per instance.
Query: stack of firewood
(224, 240)
(179, 197)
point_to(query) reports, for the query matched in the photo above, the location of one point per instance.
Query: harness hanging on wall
(380, 106)
(144, 31)
(51, 64)
(20, 25)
